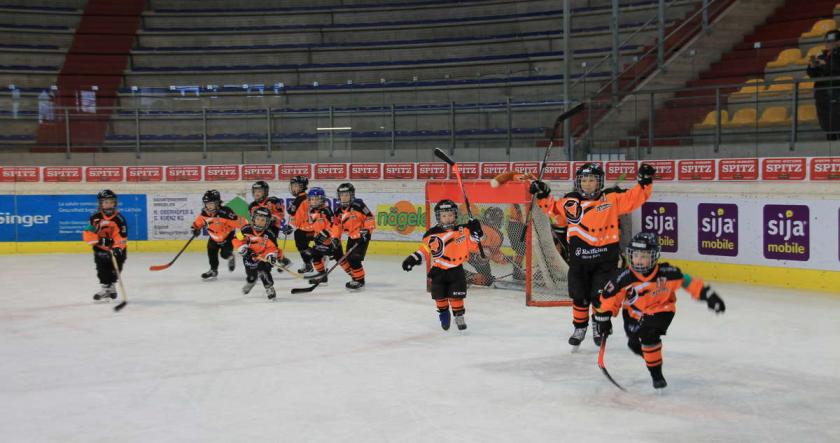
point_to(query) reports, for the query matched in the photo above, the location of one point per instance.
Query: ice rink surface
(188, 360)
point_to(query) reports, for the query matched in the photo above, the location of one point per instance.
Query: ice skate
(577, 337)
(210, 275)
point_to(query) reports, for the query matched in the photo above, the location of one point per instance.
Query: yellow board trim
(817, 280)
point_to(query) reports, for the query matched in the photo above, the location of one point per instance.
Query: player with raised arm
(257, 245)
(590, 218)
(107, 233)
(446, 246)
(645, 293)
(221, 223)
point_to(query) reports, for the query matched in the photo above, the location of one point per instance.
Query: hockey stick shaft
(124, 301)
(560, 119)
(320, 278)
(603, 366)
(166, 266)
(442, 155)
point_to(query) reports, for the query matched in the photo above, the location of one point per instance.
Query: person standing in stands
(827, 92)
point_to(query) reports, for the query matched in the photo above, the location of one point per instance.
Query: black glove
(540, 188)
(411, 261)
(713, 300)
(106, 242)
(271, 259)
(646, 173)
(603, 322)
(335, 245)
(323, 249)
(119, 253)
(287, 229)
(475, 228)
(321, 237)
(364, 234)
(196, 231)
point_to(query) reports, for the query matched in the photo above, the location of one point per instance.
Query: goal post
(533, 267)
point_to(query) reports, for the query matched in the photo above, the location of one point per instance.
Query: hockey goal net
(533, 266)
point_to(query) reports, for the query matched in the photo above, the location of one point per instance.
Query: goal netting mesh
(533, 266)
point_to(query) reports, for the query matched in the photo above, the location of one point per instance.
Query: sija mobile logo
(662, 219)
(786, 232)
(718, 229)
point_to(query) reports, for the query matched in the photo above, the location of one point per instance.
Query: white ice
(188, 360)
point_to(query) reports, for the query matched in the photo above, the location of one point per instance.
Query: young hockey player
(319, 223)
(590, 217)
(647, 292)
(299, 212)
(221, 223)
(258, 247)
(107, 233)
(446, 246)
(277, 207)
(354, 218)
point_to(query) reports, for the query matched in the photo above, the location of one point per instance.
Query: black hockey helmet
(446, 206)
(262, 185)
(346, 188)
(212, 196)
(494, 216)
(643, 244)
(106, 194)
(299, 180)
(586, 170)
(261, 219)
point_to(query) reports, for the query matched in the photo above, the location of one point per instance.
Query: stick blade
(158, 267)
(443, 156)
(119, 307)
(303, 290)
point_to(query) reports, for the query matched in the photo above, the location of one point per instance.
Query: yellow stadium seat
(752, 86)
(807, 114)
(742, 117)
(781, 87)
(804, 86)
(820, 28)
(813, 52)
(774, 116)
(711, 120)
(787, 57)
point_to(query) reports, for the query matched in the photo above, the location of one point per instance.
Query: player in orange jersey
(318, 222)
(277, 207)
(354, 218)
(221, 223)
(258, 247)
(107, 232)
(446, 246)
(647, 292)
(590, 217)
(298, 211)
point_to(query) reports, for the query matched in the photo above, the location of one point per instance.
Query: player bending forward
(446, 246)
(221, 223)
(258, 247)
(107, 233)
(647, 292)
(354, 218)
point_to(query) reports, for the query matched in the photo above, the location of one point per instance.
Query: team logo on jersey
(435, 246)
(573, 211)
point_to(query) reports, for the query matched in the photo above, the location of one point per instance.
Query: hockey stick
(124, 301)
(166, 266)
(442, 155)
(601, 363)
(285, 269)
(560, 119)
(320, 278)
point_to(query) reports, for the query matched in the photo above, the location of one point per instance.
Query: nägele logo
(717, 229)
(403, 217)
(661, 219)
(786, 232)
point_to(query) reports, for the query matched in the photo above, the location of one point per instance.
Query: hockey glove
(475, 228)
(713, 300)
(287, 229)
(539, 188)
(271, 259)
(646, 173)
(106, 242)
(411, 261)
(196, 231)
(243, 250)
(119, 253)
(335, 245)
(603, 323)
(322, 237)
(364, 234)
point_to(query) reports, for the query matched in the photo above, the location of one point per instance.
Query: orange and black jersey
(220, 224)
(260, 243)
(277, 207)
(447, 248)
(319, 221)
(111, 226)
(591, 226)
(298, 210)
(646, 295)
(352, 219)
